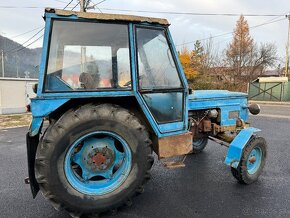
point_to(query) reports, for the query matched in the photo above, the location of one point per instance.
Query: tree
(245, 59)
(186, 59)
(195, 66)
(239, 51)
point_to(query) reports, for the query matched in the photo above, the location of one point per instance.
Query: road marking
(274, 116)
(273, 105)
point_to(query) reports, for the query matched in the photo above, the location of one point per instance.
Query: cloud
(184, 28)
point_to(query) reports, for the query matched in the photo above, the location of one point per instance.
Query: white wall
(15, 94)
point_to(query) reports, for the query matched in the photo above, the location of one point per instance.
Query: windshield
(88, 56)
(157, 69)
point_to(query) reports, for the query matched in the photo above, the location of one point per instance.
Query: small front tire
(198, 145)
(252, 162)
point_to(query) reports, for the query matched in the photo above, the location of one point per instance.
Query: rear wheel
(93, 159)
(199, 144)
(252, 162)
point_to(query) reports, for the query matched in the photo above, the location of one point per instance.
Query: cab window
(156, 67)
(86, 56)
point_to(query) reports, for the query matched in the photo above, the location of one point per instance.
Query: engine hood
(215, 94)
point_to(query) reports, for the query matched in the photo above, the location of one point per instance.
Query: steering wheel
(127, 84)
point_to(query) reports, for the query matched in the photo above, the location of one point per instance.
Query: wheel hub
(252, 159)
(100, 159)
(98, 162)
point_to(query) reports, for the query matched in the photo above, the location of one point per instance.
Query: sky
(184, 28)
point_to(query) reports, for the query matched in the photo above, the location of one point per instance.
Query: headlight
(254, 109)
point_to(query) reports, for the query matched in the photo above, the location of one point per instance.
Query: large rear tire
(93, 159)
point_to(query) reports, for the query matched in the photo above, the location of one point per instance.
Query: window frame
(156, 90)
(164, 90)
(44, 91)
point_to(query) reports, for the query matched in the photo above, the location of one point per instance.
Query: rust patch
(105, 16)
(206, 125)
(174, 145)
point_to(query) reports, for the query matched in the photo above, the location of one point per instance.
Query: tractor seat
(87, 81)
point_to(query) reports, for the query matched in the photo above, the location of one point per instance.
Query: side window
(157, 69)
(123, 67)
(88, 56)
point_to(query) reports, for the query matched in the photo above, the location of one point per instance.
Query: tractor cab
(103, 55)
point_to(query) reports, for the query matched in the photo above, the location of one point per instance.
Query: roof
(104, 16)
(271, 79)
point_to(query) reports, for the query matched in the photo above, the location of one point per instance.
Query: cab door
(160, 83)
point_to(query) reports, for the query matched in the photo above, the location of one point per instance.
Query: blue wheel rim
(254, 160)
(98, 163)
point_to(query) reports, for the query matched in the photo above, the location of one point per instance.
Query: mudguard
(31, 143)
(237, 146)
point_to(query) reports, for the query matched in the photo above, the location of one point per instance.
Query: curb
(270, 102)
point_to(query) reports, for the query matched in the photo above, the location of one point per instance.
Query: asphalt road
(204, 188)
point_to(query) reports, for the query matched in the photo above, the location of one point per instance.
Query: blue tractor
(113, 91)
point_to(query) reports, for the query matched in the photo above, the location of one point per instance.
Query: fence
(270, 89)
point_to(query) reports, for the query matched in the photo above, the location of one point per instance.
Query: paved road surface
(204, 188)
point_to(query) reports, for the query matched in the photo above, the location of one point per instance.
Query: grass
(14, 120)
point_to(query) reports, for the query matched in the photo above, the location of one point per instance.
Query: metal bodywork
(232, 107)
(237, 146)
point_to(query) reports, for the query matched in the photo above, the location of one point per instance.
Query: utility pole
(82, 5)
(2, 58)
(287, 48)
(83, 48)
(17, 72)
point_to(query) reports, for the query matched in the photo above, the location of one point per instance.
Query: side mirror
(34, 88)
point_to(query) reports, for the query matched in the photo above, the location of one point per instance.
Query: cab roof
(104, 16)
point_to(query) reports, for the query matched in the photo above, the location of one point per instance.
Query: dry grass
(15, 120)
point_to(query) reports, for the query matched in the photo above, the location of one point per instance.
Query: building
(15, 94)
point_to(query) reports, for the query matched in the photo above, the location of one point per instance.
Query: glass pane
(96, 56)
(165, 107)
(157, 69)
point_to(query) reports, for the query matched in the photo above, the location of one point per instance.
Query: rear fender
(237, 146)
(32, 143)
(41, 108)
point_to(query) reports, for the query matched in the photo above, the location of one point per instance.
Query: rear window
(86, 56)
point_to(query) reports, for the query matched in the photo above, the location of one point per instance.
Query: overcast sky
(184, 28)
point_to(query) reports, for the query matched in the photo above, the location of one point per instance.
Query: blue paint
(44, 55)
(54, 83)
(209, 94)
(35, 125)
(220, 99)
(165, 107)
(237, 146)
(108, 179)
(43, 107)
(253, 166)
(132, 58)
(86, 94)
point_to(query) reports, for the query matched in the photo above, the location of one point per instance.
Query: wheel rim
(98, 163)
(254, 160)
(198, 143)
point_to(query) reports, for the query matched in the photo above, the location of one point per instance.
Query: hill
(18, 60)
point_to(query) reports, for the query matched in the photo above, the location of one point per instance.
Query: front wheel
(252, 162)
(93, 159)
(199, 144)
